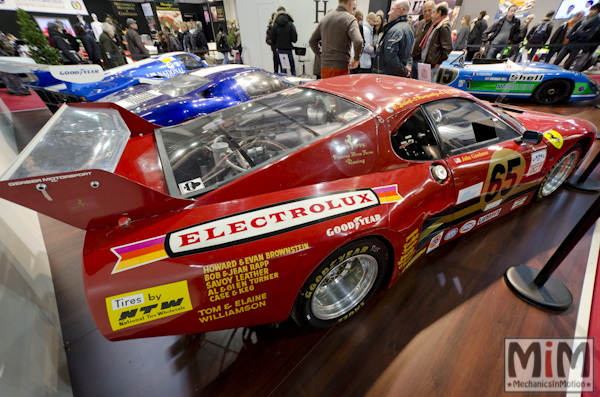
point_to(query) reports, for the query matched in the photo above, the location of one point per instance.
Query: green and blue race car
(544, 83)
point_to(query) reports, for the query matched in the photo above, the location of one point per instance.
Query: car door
(488, 163)
(413, 167)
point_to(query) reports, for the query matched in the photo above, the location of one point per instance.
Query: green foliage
(39, 48)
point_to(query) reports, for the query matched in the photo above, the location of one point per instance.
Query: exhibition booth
(178, 226)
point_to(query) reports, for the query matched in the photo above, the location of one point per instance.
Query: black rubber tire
(302, 311)
(576, 148)
(552, 91)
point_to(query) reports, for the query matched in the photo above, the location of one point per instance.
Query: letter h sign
(317, 11)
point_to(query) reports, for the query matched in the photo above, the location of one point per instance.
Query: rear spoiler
(66, 172)
(89, 199)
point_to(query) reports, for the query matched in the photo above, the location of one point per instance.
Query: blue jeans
(290, 57)
(225, 58)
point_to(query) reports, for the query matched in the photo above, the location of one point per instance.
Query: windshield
(212, 150)
(181, 85)
(510, 119)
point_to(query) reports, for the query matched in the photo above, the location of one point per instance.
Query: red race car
(300, 203)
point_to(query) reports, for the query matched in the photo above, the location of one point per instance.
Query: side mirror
(532, 137)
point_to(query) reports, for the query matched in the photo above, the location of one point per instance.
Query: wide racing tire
(552, 91)
(560, 172)
(341, 284)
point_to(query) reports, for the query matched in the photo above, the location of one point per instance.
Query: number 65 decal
(506, 171)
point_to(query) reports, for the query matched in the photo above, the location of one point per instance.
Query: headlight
(595, 86)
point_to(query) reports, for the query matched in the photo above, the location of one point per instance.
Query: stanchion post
(538, 287)
(582, 182)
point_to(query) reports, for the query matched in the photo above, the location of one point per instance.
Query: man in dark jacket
(283, 34)
(581, 33)
(437, 42)
(134, 41)
(539, 34)
(91, 47)
(201, 42)
(187, 41)
(337, 32)
(475, 37)
(559, 37)
(172, 42)
(505, 31)
(523, 28)
(223, 45)
(393, 53)
(422, 28)
(60, 43)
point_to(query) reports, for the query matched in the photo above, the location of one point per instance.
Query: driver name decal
(266, 222)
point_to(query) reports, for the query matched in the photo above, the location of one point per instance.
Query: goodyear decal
(139, 307)
(554, 138)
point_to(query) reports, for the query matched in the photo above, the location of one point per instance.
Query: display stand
(582, 182)
(538, 287)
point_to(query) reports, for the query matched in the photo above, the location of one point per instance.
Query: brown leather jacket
(441, 44)
(420, 30)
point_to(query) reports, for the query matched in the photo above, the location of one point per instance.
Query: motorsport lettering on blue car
(544, 83)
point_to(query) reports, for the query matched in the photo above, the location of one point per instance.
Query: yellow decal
(138, 307)
(167, 60)
(506, 170)
(238, 307)
(417, 98)
(554, 138)
(409, 249)
(413, 260)
(236, 277)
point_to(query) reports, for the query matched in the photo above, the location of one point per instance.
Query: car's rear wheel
(560, 172)
(341, 284)
(552, 91)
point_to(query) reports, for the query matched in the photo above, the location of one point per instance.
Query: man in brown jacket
(422, 28)
(436, 45)
(134, 41)
(337, 31)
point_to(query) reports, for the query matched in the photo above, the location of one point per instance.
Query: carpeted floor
(19, 103)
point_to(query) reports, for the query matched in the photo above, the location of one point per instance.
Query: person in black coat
(91, 47)
(507, 30)
(60, 43)
(283, 34)
(557, 40)
(475, 36)
(200, 39)
(539, 37)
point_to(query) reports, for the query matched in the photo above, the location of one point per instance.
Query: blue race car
(200, 92)
(544, 83)
(157, 68)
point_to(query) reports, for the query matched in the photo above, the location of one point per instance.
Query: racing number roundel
(505, 172)
(446, 75)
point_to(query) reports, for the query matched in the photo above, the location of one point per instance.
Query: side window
(464, 126)
(257, 84)
(190, 62)
(414, 139)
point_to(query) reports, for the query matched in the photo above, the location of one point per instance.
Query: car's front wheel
(552, 91)
(341, 284)
(561, 171)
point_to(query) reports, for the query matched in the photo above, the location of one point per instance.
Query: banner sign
(70, 7)
(169, 19)
(125, 10)
(524, 8)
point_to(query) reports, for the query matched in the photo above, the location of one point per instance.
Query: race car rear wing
(67, 171)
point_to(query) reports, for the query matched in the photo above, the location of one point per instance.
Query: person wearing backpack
(201, 42)
(223, 45)
(284, 35)
(271, 43)
(581, 34)
(539, 34)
